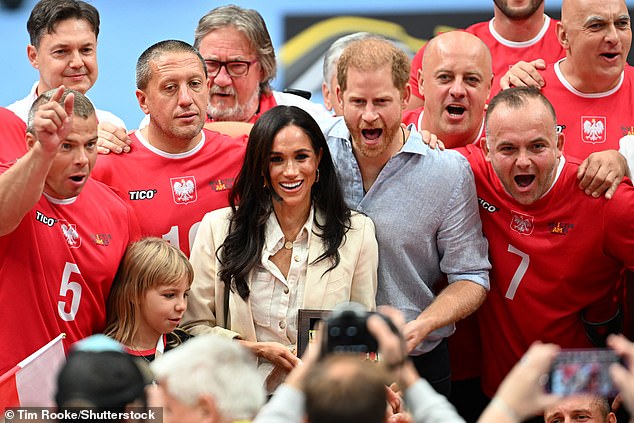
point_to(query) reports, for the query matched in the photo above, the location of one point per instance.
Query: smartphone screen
(583, 371)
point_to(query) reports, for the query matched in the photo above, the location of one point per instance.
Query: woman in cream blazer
(287, 242)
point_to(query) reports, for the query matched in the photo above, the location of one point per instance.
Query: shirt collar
(274, 237)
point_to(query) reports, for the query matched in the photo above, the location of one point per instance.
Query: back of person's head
(48, 13)
(334, 52)
(156, 51)
(148, 263)
(344, 388)
(215, 367)
(82, 106)
(100, 375)
(251, 24)
(368, 55)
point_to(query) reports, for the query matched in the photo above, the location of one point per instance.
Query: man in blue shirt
(433, 262)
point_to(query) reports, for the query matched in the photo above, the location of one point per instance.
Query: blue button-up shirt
(425, 210)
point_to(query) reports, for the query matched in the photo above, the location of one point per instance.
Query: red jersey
(590, 122)
(170, 193)
(56, 269)
(550, 260)
(545, 45)
(12, 136)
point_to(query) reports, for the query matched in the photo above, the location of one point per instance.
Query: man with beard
(433, 258)
(240, 59)
(176, 171)
(518, 31)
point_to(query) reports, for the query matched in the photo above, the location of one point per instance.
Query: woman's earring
(317, 176)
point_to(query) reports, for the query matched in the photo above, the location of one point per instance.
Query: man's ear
(560, 144)
(407, 93)
(142, 99)
(31, 53)
(562, 35)
(30, 140)
(208, 411)
(339, 96)
(325, 93)
(421, 82)
(484, 145)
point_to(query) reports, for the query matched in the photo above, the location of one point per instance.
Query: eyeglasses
(235, 68)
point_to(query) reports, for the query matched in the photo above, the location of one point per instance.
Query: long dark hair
(242, 249)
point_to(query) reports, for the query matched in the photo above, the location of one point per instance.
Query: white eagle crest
(70, 234)
(184, 190)
(521, 224)
(593, 130)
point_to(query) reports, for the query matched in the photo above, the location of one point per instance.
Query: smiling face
(293, 168)
(75, 159)
(372, 109)
(176, 99)
(597, 37)
(232, 98)
(67, 56)
(524, 149)
(162, 308)
(455, 80)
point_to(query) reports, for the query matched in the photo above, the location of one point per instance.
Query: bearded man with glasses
(240, 59)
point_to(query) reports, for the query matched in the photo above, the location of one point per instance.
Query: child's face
(162, 308)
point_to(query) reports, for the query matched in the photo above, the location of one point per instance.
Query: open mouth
(77, 178)
(524, 180)
(293, 185)
(609, 55)
(371, 134)
(456, 110)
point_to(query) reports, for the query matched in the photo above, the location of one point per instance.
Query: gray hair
(334, 52)
(216, 366)
(152, 53)
(251, 24)
(82, 106)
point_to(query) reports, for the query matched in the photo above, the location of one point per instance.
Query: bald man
(456, 80)
(519, 30)
(592, 88)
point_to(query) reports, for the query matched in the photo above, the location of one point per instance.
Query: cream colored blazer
(354, 279)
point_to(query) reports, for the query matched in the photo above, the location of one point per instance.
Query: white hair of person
(215, 366)
(334, 52)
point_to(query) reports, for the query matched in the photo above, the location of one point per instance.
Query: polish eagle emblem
(593, 129)
(70, 234)
(184, 189)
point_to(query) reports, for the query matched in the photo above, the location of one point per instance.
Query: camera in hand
(347, 331)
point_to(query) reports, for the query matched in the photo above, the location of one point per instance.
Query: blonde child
(148, 298)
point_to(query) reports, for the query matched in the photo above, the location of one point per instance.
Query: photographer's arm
(455, 302)
(425, 404)
(521, 394)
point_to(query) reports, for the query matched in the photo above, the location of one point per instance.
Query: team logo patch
(70, 234)
(522, 223)
(593, 129)
(221, 184)
(184, 189)
(559, 228)
(103, 239)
